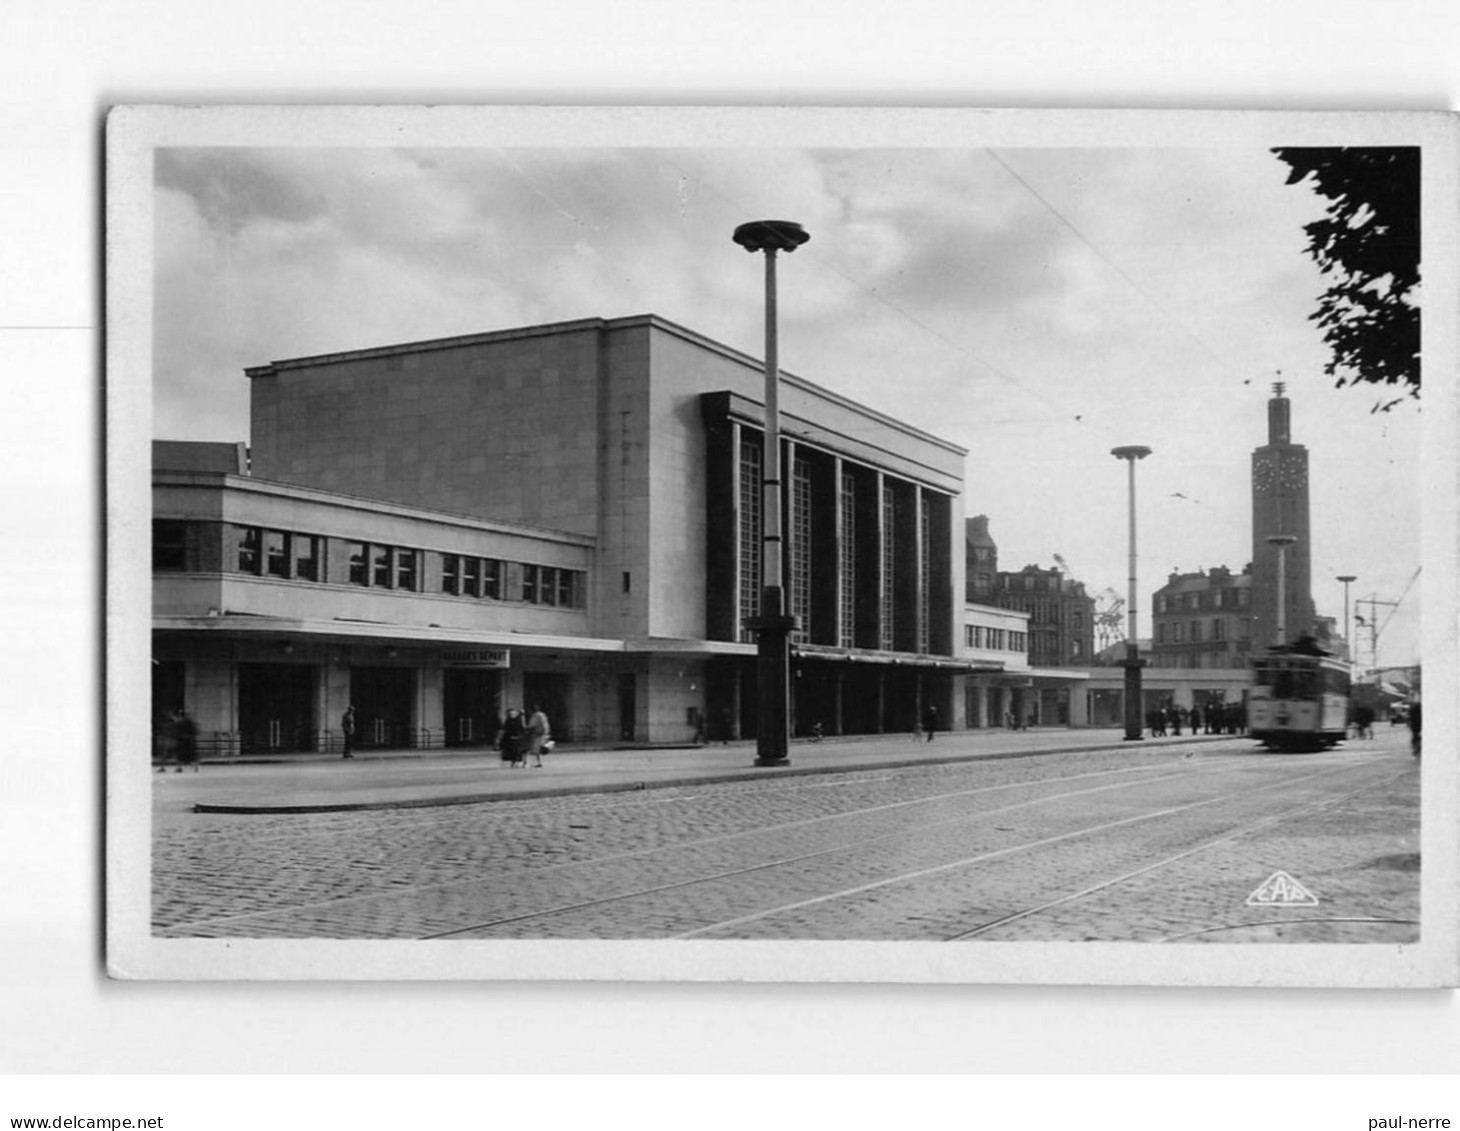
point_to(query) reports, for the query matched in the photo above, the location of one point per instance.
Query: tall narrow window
(925, 579)
(471, 577)
(847, 564)
(801, 550)
(451, 573)
(548, 586)
(889, 591)
(491, 579)
(529, 584)
(750, 534)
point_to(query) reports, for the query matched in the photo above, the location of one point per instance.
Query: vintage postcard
(781, 545)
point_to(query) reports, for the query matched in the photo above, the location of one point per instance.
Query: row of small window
(464, 576)
(300, 557)
(995, 639)
(1224, 599)
(1190, 632)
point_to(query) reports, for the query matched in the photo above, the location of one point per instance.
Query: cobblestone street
(1151, 843)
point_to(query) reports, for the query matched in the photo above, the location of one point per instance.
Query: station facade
(564, 516)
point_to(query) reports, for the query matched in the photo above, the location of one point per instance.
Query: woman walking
(538, 734)
(514, 735)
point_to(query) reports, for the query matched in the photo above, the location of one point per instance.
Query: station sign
(477, 658)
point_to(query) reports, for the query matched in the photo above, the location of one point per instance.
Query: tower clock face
(1292, 475)
(1264, 474)
(1274, 473)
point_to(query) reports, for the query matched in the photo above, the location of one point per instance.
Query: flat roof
(582, 325)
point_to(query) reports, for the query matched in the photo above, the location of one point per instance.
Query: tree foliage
(1367, 246)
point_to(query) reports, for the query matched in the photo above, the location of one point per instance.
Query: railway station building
(563, 515)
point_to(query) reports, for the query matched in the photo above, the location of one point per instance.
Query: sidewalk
(410, 779)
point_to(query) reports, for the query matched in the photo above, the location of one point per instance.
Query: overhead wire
(1062, 412)
(1114, 266)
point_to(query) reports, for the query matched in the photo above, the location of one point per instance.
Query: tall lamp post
(773, 627)
(1282, 542)
(1346, 578)
(1132, 663)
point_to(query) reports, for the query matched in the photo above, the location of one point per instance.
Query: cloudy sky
(1037, 306)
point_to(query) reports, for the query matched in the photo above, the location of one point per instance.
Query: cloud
(232, 187)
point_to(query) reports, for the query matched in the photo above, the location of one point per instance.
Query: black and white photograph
(781, 545)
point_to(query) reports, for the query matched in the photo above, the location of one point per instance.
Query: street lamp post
(773, 626)
(1282, 542)
(1132, 663)
(1346, 578)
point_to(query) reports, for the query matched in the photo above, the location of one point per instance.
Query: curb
(748, 774)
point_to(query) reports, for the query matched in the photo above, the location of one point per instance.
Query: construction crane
(1109, 618)
(1109, 614)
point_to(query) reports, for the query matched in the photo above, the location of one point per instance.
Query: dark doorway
(383, 699)
(549, 690)
(276, 708)
(471, 698)
(628, 706)
(167, 687)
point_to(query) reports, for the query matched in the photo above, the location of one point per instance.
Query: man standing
(347, 728)
(930, 721)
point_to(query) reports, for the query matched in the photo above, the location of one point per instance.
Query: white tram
(1299, 698)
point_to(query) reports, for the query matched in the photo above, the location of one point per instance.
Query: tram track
(1152, 773)
(1236, 834)
(1130, 778)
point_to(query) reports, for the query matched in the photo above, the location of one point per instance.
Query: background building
(1203, 620)
(1061, 615)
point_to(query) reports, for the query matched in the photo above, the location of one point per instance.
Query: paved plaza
(1052, 835)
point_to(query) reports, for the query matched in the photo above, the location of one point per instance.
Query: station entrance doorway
(276, 708)
(384, 699)
(471, 705)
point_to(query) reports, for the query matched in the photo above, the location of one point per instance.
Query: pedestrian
(1414, 723)
(539, 734)
(347, 729)
(1176, 714)
(165, 740)
(1195, 719)
(727, 728)
(513, 738)
(1364, 720)
(187, 741)
(930, 721)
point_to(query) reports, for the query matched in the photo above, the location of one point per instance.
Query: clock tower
(1280, 507)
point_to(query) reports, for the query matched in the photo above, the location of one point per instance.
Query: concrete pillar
(430, 701)
(1079, 707)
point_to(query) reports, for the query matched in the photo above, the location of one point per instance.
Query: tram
(1299, 698)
